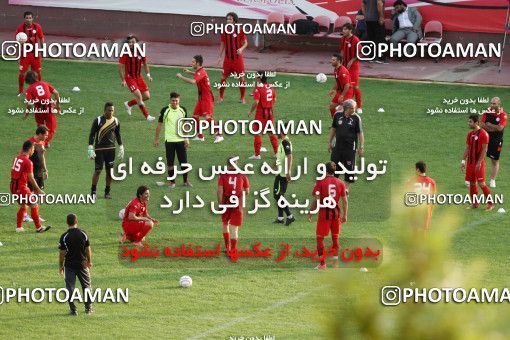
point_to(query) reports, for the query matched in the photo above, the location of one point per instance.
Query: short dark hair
(27, 145)
(174, 95)
(41, 130)
(262, 76)
(28, 13)
(71, 219)
(233, 15)
(30, 77)
(474, 118)
(199, 59)
(399, 3)
(141, 190)
(421, 166)
(330, 167)
(131, 36)
(107, 105)
(337, 56)
(348, 26)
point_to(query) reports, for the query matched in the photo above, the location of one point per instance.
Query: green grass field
(242, 299)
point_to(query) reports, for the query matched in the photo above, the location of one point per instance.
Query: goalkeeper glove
(91, 153)
(121, 151)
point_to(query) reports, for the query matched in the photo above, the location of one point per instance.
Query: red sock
(19, 217)
(222, 88)
(335, 244)
(132, 102)
(197, 123)
(486, 192)
(39, 75)
(226, 238)
(274, 142)
(144, 110)
(473, 191)
(320, 249)
(212, 124)
(242, 89)
(257, 144)
(21, 82)
(34, 212)
(357, 93)
(233, 244)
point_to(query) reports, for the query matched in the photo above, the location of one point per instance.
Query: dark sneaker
(108, 196)
(277, 221)
(89, 311)
(290, 220)
(43, 229)
(73, 313)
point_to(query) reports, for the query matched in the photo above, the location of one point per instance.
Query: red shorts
(348, 95)
(135, 230)
(204, 107)
(263, 121)
(232, 66)
(233, 216)
(354, 73)
(324, 226)
(23, 194)
(136, 84)
(472, 175)
(30, 60)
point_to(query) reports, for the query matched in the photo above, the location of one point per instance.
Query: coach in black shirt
(75, 260)
(347, 129)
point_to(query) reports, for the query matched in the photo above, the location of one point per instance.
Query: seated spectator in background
(361, 26)
(406, 23)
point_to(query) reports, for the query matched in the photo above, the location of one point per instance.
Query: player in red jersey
(231, 48)
(424, 185)
(342, 89)
(205, 103)
(35, 36)
(232, 185)
(329, 188)
(349, 49)
(137, 222)
(494, 121)
(130, 74)
(38, 97)
(473, 161)
(264, 97)
(21, 175)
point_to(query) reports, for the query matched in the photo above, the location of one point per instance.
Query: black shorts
(280, 186)
(40, 182)
(348, 160)
(106, 158)
(494, 148)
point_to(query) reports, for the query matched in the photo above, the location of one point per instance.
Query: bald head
(496, 104)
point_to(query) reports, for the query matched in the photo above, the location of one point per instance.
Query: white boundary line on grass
(307, 74)
(473, 224)
(260, 311)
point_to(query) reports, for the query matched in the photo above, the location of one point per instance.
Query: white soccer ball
(21, 37)
(321, 78)
(186, 281)
(122, 213)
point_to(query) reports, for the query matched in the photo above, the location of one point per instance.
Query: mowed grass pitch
(227, 300)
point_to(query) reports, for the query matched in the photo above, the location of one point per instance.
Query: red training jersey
(40, 93)
(203, 84)
(34, 33)
(21, 167)
(329, 187)
(233, 185)
(132, 65)
(423, 185)
(350, 48)
(475, 140)
(137, 207)
(266, 96)
(233, 42)
(342, 78)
